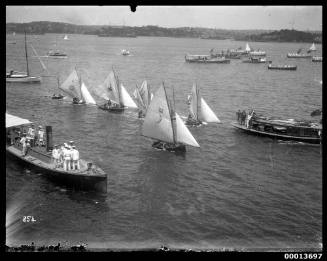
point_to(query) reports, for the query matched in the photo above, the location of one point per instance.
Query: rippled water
(235, 191)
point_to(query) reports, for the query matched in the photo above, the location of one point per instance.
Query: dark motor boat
(88, 177)
(282, 67)
(308, 132)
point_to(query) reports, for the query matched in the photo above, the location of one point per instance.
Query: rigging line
(43, 65)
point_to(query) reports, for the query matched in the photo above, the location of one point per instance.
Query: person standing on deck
(40, 137)
(75, 158)
(31, 135)
(55, 156)
(23, 141)
(70, 145)
(243, 116)
(67, 157)
(238, 114)
(61, 156)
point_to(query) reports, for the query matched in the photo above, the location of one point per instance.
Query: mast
(171, 114)
(27, 69)
(118, 86)
(197, 103)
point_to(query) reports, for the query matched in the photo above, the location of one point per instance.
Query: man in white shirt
(75, 158)
(23, 141)
(31, 135)
(67, 157)
(55, 156)
(40, 136)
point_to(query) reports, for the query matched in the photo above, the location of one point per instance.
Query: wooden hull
(317, 59)
(28, 79)
(120, 109)
(247, 61)
(79, 180)
(207, 61)
(276, 135)
(289, 68)
(177, 148)
(298, 56)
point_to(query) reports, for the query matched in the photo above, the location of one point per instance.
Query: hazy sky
(224, 17)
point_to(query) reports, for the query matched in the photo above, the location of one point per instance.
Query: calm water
(235, 191)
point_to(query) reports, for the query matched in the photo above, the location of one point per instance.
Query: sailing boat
(162, 123)
(298, 54)
(75, 88)
(247, 48)
(115, 94)
(199, 111)
(14, 76)
(312, 48)
(66, 37)
(143, 96)
(56, 53)
(58, 96)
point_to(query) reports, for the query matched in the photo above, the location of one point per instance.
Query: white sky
(223, 17)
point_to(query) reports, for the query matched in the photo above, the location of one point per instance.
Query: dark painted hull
(78, 181)
(289, 68)
(207, 61)
(177, 148)
(311, 140)
(120, 109)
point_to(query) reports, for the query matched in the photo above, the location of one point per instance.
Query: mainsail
(312, 48)
(142, 95)
(126, 99)
(247, 48)
(86, 95)
(112, 87)
(158, 123)
(72, 86)
(199, 109)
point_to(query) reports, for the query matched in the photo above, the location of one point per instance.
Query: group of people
(66, 156)
(32, 138)
(244, 118)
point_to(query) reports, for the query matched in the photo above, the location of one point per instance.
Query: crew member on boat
(67, 157)
(23, 141)
(61, 156)
(239, 114)
(31, 135)
(40, 137)
(75, 158)
(56, 156)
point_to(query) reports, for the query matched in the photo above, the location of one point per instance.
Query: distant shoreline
(284, 35)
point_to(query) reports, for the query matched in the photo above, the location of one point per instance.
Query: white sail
(66, 37)
(193, 102)
(313, 47)
(247, 48)
(183, 135)
(126, 99)
(157, 122)
(207, 115)
(72, 86)
(111, 85)
(86, 95)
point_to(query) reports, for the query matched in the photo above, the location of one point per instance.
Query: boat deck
(281, 136)
(39, 157)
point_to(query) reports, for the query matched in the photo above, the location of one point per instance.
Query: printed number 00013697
(302, 256)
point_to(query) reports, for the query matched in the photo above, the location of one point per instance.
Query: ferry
(205, 59)
(39, 158)
(317, 58)
(282, 67)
